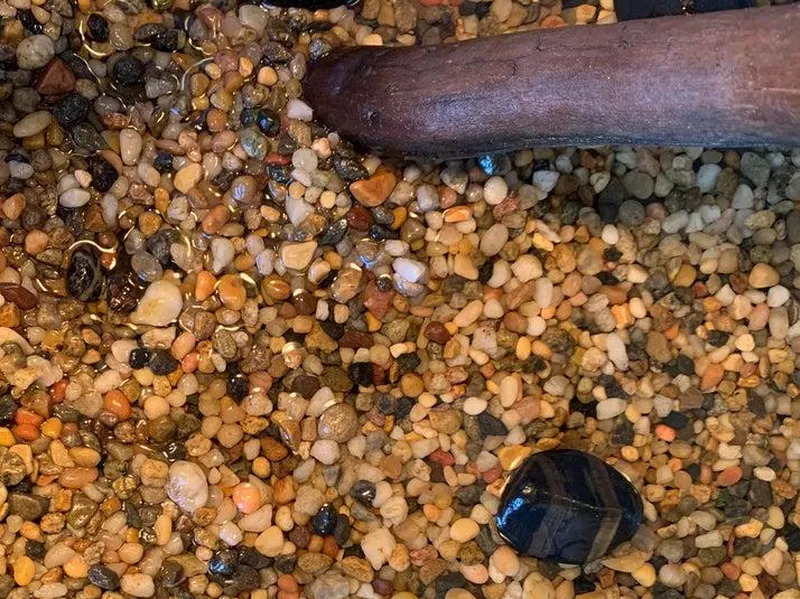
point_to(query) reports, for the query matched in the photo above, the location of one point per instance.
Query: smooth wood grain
(723, 79)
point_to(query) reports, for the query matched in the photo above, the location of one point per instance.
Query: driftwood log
(722, 79)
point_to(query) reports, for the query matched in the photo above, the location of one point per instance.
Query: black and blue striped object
(567, 506)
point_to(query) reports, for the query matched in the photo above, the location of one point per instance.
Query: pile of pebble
(238, 358)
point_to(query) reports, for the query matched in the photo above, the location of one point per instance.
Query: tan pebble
(463, 530)
(645, 575)
(468, 314)
(627, 563)
(297, 256)
(505, 560)
(763, 276)
(188, 177)
(374, 191)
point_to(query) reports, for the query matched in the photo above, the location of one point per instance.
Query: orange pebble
(26, 432)
(730, 570)
(729, 476)
(286, 582)
(329, 547)
(189, 362)
(204, 286)
(58, 390)
(24, 416)
(665, 433)
(116, 403)
(247, 498)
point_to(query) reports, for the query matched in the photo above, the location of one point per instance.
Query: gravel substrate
(240, 358)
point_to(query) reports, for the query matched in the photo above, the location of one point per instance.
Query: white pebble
(297, 109)
(495, 190)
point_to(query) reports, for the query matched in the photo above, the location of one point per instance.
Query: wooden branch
(722, 79)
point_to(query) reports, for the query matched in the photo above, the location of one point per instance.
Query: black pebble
(454, 580)
(360, 373)
(163, 162)
(349, 168)
(408, 362)
(719, 338)
(250, 557)
(223, 564)
(104, 175)
(285, 563)
(583, 585)
(162, 363)
(402, 408)
(174, 451)
(35, 550)
(491, 426)
(238, 386)
(792, 535)
(171, 574)
(122, 294)
(364, 492)
(244, 579)
(8, 409)
(676, 420)
(623, 433)
(128, 70)
(324, 521)
(84, 278)
(103, 577)
(332, 329)
(268, 122)
(29, 22)
(160, 243)
(334, 233)
(97, 27)
(341, 532)
(139, 357)
(71, 110)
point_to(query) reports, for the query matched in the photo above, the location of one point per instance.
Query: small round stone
(35, 51)
(338, 423)
(128, 70)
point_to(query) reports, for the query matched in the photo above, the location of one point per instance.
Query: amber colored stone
(374, 191)
(116, 403)
(232, 292)
(275, 288)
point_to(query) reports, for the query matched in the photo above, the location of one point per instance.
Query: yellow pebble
(373, 323)
(24, 570)
(76, 567)
(51, 428)
(6, 438)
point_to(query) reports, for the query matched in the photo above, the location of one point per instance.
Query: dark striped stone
(567, 506)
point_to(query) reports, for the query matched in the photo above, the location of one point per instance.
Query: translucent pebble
(297, 109)
(146, 266)
(134, 241)
(305, 159)
(222, 251)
